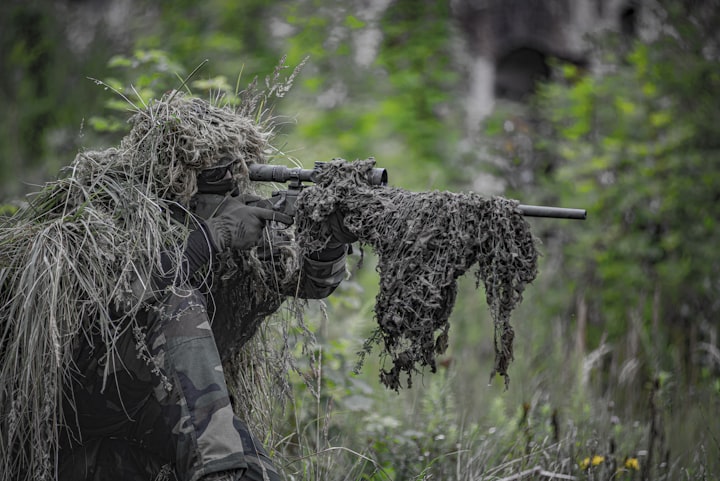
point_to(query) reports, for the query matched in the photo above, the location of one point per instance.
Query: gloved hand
(239, 226)
(340, 234)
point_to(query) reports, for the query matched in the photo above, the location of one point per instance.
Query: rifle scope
(281, 173)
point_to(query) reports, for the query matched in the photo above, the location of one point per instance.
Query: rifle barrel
(554, 212)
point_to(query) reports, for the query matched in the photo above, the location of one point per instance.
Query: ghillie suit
(424, 241)
(72, 257)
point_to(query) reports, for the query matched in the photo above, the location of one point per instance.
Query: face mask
(220, 187)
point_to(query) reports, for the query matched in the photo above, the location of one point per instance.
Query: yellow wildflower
(632, 463)
(594, 461)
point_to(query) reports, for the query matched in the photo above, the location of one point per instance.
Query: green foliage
(639, 152)
(400, 108)
(633, 287)
(44, 92)
(232, 35)
(7, 210)
(635, 143)
(152, 72)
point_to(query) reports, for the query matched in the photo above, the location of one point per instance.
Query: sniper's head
(195, 147)
(215, 183)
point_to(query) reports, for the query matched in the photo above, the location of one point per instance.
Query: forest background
(617, 369)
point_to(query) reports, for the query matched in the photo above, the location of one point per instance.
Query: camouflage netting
(424, 242)
(69, 258)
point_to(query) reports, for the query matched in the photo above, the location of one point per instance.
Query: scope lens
(378, 176)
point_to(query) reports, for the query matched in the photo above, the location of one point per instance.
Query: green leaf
(353, 22)
(119, 61)
(660, 119)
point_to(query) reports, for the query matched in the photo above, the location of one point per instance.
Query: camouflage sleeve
(321, 273)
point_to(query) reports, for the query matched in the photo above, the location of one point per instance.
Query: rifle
(295, 176)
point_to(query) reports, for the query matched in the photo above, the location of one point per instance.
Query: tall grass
(554, 422)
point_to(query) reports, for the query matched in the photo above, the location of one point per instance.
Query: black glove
(238, 226)
(340, 234)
